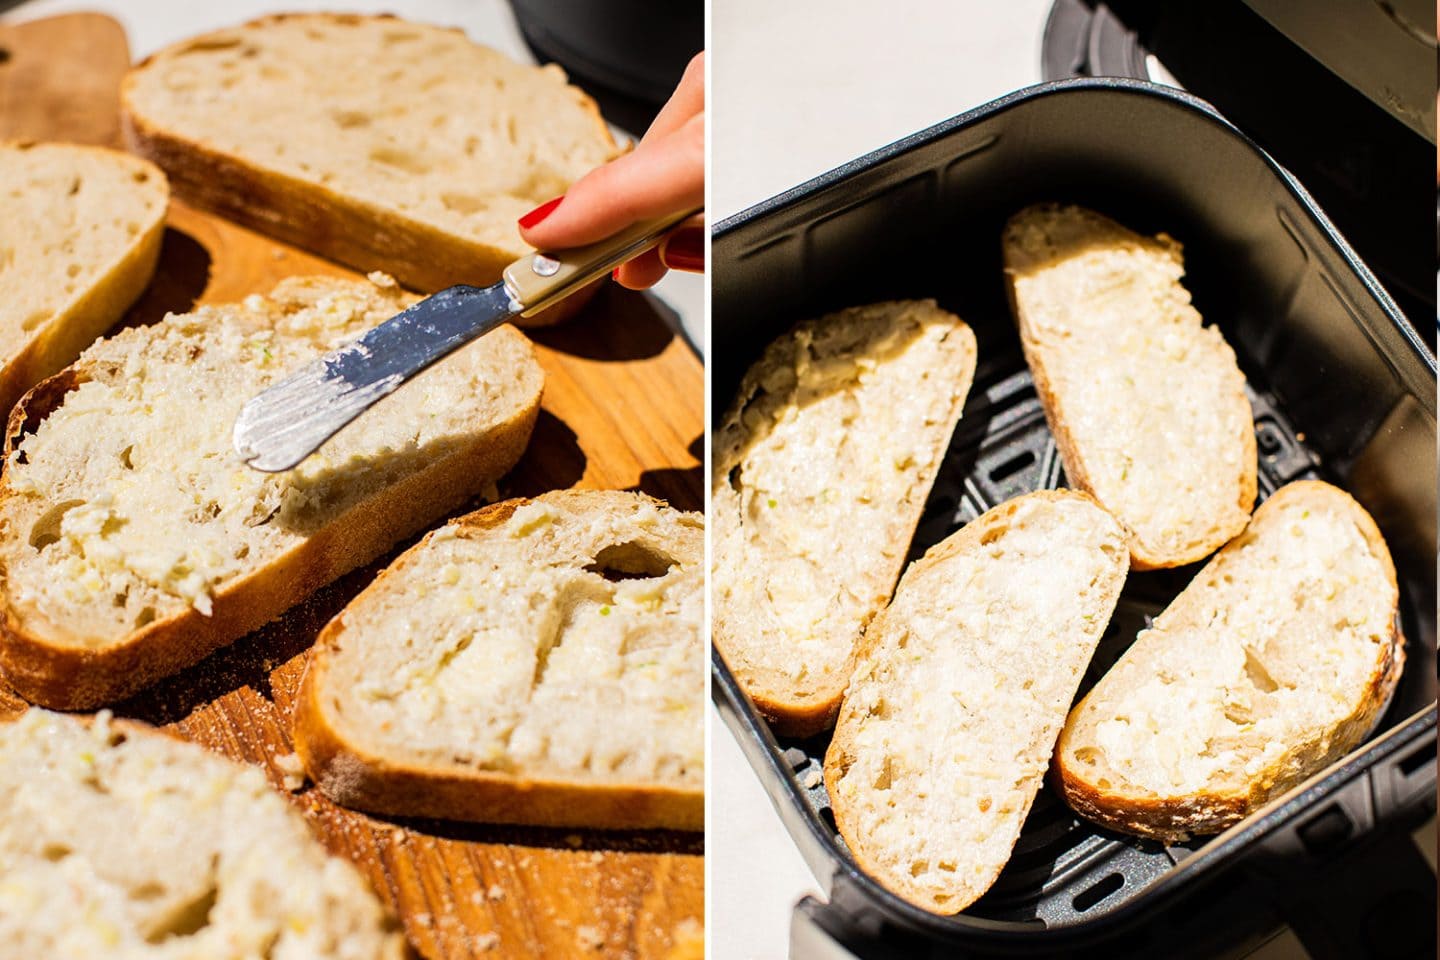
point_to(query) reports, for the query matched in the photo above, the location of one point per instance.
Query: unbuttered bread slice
(134, 541)
(383, 144)
(120, 842)
(1147, 406)
(80, 231)
(1274, 662)
(960, 689)
(539, 661)
(820, 472)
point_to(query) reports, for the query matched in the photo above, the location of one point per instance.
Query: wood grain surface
(623, 408)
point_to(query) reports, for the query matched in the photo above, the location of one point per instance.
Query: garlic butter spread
(523, 634)
(1153, 400)
(1224, 685)
(130, 837)
(817, 478)
(127, 504)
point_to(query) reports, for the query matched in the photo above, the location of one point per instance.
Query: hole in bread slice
(187, 919)
(405, 160)
(1256, 673)
(631, 560)
(55, 852)
(47, 529)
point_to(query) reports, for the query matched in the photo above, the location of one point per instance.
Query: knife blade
(291, 419)
(285, 423)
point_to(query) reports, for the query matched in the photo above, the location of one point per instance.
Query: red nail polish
(540, 212)
(615, 274)
(685, 250)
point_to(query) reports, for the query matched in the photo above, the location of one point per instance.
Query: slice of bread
(382, 144)
(119, 841)
(1147, 406)
(539, 661)
(1273, 663)
(133, 540)
(820, 473)
(80, 231)
(960, 689)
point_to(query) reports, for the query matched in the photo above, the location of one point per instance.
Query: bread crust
(76, 678)
(62, 338)
(1175, 819)
(1072, 456)
(840, 753)
(314, 217)
(355, 777)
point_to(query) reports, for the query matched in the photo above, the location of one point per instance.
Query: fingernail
(540, 212)
(685, 250)
(615, 274)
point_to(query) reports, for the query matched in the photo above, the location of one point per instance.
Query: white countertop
(800, 87)
(152, 24)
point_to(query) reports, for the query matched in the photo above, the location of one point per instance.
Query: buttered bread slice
(1147, 406)
(821, 469)
(1273, 663)
(133, 540)
(80, 231)
(960, 689)
(539, 661)
(121, 842)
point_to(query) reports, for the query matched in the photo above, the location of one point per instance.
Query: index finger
(662, 176)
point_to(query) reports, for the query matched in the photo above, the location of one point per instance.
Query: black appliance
(1343, 388)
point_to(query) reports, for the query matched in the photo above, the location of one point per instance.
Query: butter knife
(288, 421)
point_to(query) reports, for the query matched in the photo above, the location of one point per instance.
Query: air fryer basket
(1342, 390)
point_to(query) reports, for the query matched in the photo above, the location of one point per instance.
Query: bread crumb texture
(412, 119)
(687, 941)
(961, 689)
(563, 643)
(127, 503)
(1148, 403)
(821, 468)
(69, 216)
(122, 843)
(1275, 660)
(589, 939)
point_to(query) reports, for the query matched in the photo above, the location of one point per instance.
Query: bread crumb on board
(589, 938)
(381, 279)
(687, 941)
(292, 771)
(812, 778)
(485, 942)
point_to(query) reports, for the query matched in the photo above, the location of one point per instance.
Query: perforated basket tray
(1341, 390)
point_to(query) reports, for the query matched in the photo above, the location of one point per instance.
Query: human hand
(665, 173)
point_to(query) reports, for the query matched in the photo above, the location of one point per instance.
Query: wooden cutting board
(623, 408)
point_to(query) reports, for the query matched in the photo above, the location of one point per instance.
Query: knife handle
(540, 280)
